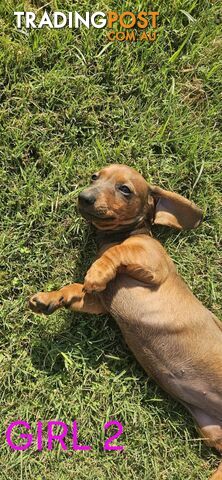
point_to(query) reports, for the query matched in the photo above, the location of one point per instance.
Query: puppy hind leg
(210, 429)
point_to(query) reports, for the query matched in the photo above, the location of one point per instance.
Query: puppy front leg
(129, 257)
(71, 296)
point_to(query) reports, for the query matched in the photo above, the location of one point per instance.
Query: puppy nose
(87, 198)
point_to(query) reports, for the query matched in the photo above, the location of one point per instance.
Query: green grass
(64, 114)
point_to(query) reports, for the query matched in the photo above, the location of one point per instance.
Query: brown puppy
(173, 336)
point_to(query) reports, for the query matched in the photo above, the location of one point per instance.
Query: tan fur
(173, 336)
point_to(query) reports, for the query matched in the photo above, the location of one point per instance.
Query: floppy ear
(173, 210)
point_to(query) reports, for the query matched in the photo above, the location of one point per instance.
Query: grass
(65, 112)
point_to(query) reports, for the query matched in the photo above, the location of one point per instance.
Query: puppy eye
(125, 190)
(94, 176)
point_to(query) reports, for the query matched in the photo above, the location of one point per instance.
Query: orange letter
(127, 25)
(143, 36)
(154, 15)
(111, 38)
(120, 36)
(130, 36)
(151, 36)
(145, 21)
(112, 17)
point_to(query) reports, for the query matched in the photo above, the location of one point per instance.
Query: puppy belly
(163, 351)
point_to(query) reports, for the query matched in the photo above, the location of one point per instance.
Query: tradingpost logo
(124, 26)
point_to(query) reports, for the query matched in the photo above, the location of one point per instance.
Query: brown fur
(173, 336)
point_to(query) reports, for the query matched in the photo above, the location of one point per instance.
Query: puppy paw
(45, 302)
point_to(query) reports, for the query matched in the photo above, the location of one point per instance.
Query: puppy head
(119, 197)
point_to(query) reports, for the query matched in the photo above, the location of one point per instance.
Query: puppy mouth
(97, 215)
(101, 216)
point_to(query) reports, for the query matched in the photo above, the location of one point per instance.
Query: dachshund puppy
(174, 337)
